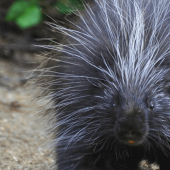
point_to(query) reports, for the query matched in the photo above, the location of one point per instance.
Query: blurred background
(22, 27)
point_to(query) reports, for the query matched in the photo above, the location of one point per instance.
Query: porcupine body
(110, 86)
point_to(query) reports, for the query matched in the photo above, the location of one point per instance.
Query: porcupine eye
(151, 106)
(114, 105)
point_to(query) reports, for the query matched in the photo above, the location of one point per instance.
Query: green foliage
(31, 17)
(24, 13)
(68, 6)
(28, 13)
(16, 10)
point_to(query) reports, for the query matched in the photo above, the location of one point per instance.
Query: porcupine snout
(131, 127)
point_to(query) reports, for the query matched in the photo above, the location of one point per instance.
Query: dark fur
(98, 112)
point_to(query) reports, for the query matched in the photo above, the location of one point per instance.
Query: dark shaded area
(14, 39)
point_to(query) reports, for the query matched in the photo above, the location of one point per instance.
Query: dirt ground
(21, 143)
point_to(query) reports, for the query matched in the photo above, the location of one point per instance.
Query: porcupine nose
(131, 127)
(130, 134)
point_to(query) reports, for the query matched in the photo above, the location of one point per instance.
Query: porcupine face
(126, 113)
(134, 117)
(132, 111)
(142, 119)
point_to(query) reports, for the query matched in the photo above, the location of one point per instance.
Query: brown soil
(21, 142)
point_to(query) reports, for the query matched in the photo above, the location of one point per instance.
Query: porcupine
(110, 86)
